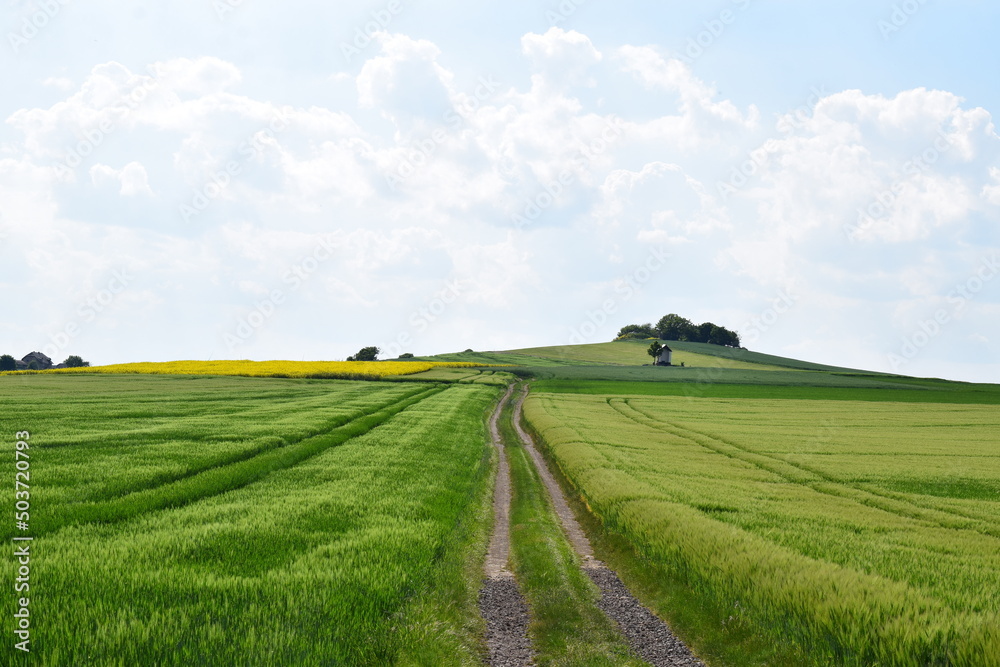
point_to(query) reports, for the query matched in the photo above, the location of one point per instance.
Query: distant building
(20, 365)
(666, 357)
(42, 361)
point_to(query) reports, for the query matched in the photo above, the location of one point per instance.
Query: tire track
(818, 481)
(500, 600)
(225, 478)
(233, 458)
(648, 635)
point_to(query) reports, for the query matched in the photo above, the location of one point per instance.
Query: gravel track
(500, 600)
(507, 619)
(648, 635)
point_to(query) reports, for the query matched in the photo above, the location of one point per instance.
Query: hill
(621, 353)
(628, 360)
(633, 353)
(623, 368)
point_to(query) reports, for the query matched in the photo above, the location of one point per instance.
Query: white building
(666, 357)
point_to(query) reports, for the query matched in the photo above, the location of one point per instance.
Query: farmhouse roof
(37, 356)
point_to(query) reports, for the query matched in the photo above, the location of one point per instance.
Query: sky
(235, 179)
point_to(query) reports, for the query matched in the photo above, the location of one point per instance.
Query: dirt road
(648, 635)
(500, 599)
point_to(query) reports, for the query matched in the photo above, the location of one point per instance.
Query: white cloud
(404, 81)
(476, 152)
(657, 204)
(198, 77)
(875, 169)
(991, 192)
(696, 97)
(59, 82)
(132, 178)
(563, 58)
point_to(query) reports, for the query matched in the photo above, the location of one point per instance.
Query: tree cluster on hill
(675, 327)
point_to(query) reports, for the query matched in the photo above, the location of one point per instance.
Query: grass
(156, 431)
(442, 624)
(709, 370)
(362, 551)
(622, 353)
(567, 627)
(461, 375)
(633, 353)
(803, 518)
(721, 638)
(710, 376)
(882, 391)
(224, 477)
(749, 357)
(493, 359)
(774, 511)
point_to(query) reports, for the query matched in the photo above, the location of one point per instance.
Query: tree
(705, 332)
(366, 354)
(675, 327)
(7, 363)
(654, 350)
(636, 331)
(32, 365)
(405, 355)
(73, 361)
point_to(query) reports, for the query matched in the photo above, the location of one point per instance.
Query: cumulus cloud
(562, 58)
(864, 201)
(132, 178)
(991, 191)
(696, 98)
(880, 169)
(658, 204)
(404, 81)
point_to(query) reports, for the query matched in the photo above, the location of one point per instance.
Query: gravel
(500, 600)
(504, 608)
(507, 620)
(499, 550)
(647, 634)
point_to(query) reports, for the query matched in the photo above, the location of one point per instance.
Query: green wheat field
(774, 511)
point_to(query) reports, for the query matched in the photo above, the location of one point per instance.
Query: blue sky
(247, 180)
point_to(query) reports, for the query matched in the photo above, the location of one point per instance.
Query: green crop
(865, 533)
(335, 528)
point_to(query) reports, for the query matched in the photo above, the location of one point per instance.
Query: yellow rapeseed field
(283, 369)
